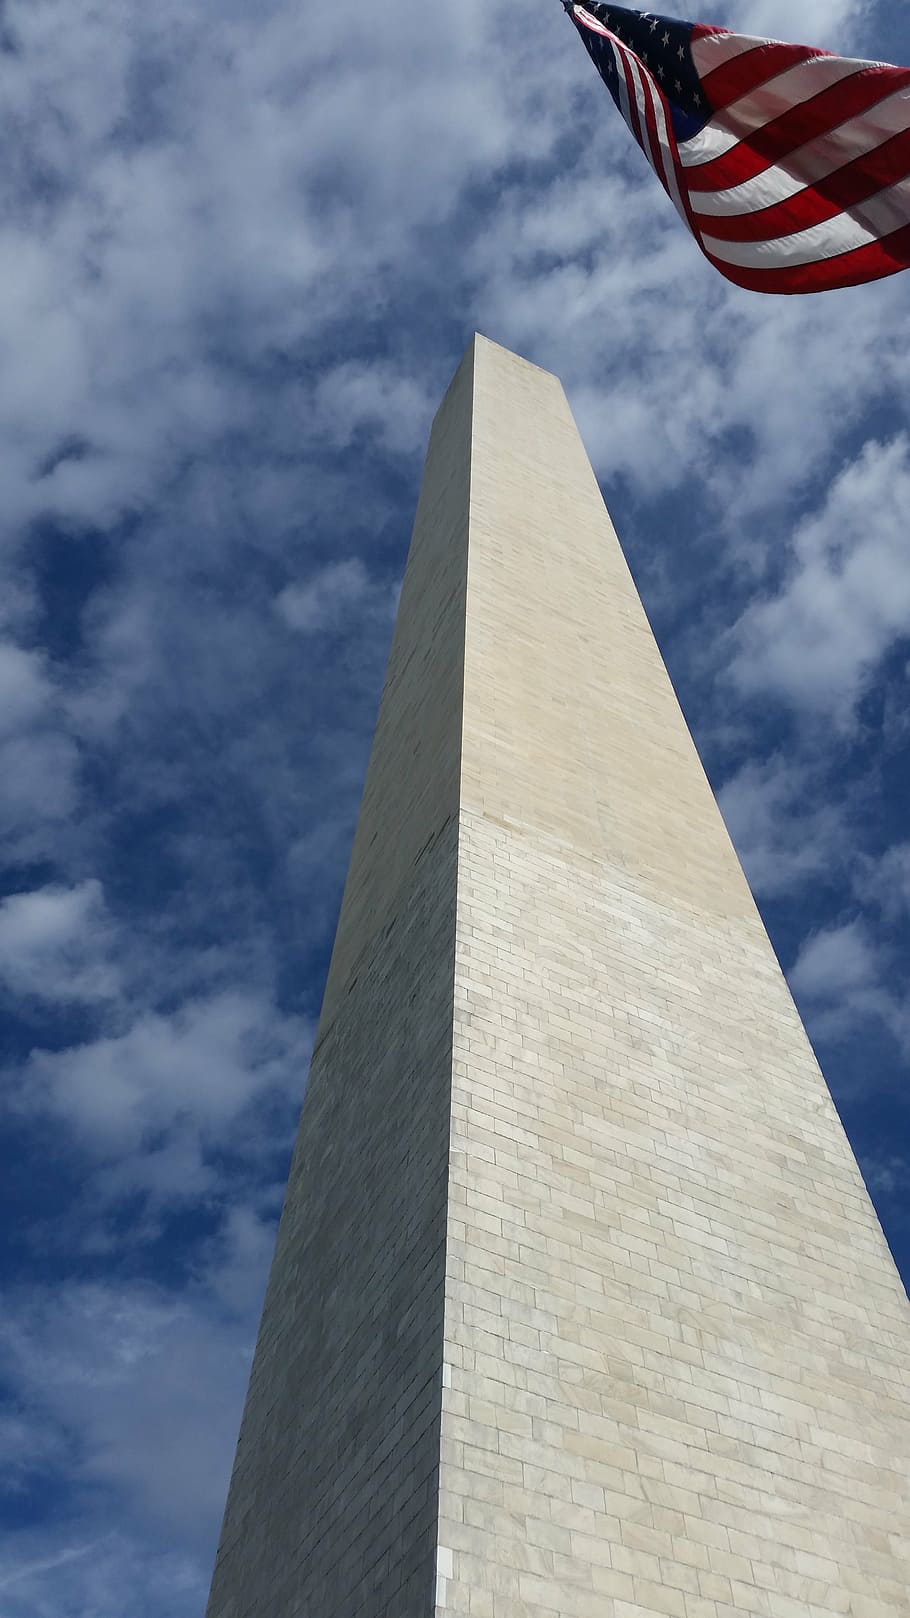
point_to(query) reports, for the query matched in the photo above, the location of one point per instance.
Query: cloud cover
(240, 255)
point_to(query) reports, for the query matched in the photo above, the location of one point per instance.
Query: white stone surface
(680, 1349)
(579, 1305)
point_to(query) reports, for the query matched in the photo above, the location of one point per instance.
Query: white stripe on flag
(709, 143)
(713, 50)
(814, 161)
(885, 213)
(840, 235)
(787, 91)
(640, 104)
(773, 186)
(589, 21)
(752, 112)
(623, 87)
(667, 164)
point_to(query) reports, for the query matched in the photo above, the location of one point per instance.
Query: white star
(660, 71)
(653, 24)
(678, 85)
(697, 100)
(666, 39)
(681, 53)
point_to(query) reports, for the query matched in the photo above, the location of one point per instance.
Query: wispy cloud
(841, 977)
(49, 1564)
(329, 599)
(55, 944)
(817, 641)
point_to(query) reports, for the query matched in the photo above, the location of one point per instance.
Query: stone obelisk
(579, 1307)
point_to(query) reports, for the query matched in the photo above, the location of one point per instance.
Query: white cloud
(140, 1384)
(831, 24)
(38, 759)
(231, 190)
(239, 1257)
(841, 977)
(847, 599)
(39, 789)
(25, 1572)
(332, 599)
(55, 944)
(187, 1075)
(784, 834)
(838, 962)
(77, 1571)
(889, 1176)
(885, 882)
(24, 689)
(132, 1364)
(357, 397)
(139, 1388)
(27, 1444)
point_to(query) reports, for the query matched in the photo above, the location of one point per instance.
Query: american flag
(790, 166)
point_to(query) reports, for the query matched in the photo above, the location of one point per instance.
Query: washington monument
(579, 1307)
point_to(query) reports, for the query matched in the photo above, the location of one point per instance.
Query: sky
(241, 252)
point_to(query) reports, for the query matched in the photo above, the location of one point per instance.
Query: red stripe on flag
(633, 102)
(746, 73)
(654, 152)
(837, 193)
(796, 128)
(864, 264)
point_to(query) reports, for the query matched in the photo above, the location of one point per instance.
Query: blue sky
(241, 252)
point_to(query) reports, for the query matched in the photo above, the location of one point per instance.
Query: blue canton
(664, 45)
